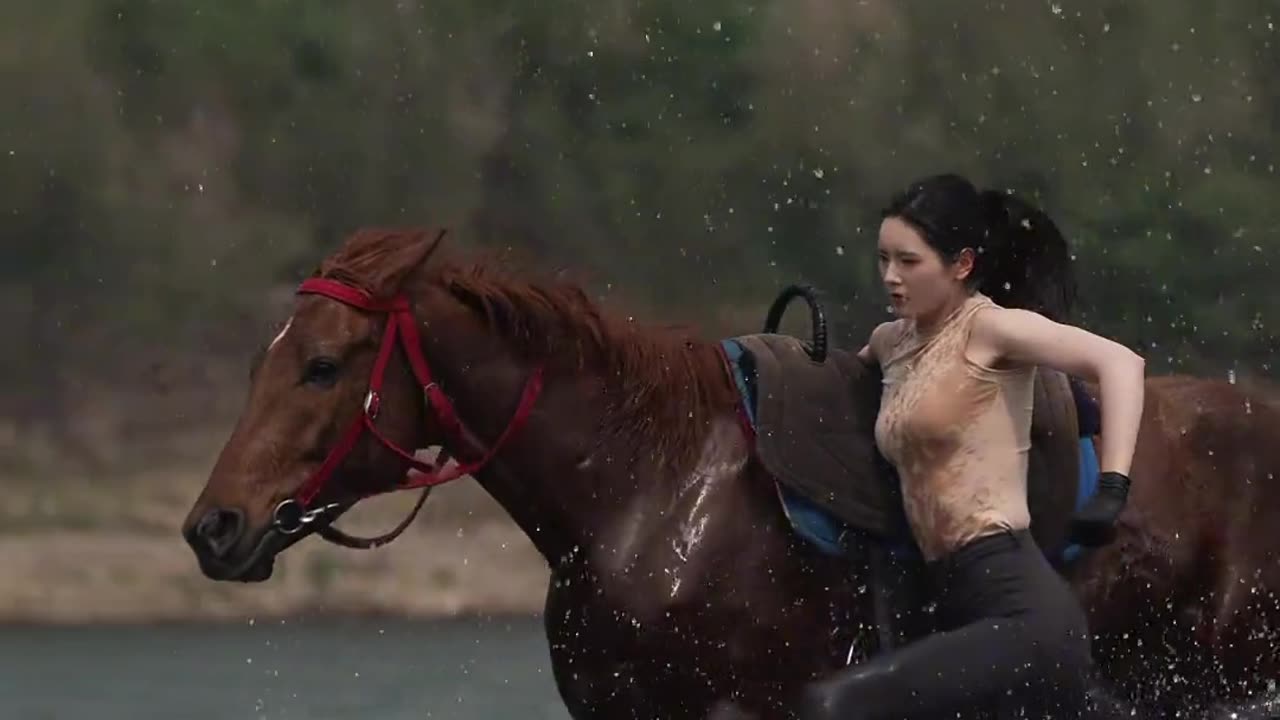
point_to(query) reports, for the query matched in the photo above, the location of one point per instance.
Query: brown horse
(676, 578)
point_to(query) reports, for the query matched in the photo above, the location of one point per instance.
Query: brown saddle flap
(815, 431)
(1053, 466)
(815, 426)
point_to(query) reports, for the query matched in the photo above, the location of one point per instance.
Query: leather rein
(294, 514)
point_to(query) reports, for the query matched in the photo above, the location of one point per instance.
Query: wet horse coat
(1185, 604)
(676, 577)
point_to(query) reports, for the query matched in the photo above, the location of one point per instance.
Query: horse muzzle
(218, 540)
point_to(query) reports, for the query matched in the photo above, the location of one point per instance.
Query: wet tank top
(958, 433)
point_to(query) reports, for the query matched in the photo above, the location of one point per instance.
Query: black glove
(1094, 525)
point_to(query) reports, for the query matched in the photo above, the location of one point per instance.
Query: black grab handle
(818, 349)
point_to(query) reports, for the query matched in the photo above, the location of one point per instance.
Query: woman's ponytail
(1024, 261)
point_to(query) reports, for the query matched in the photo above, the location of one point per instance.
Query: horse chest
(606, 660)
(616, 608)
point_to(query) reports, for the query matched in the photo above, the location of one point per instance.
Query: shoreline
(460, 560)
(301, 618)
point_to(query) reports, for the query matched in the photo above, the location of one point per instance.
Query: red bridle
(292, 514)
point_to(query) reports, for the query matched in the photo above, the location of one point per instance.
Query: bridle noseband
(293, 514)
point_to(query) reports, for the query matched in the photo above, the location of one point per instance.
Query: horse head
(335, 410)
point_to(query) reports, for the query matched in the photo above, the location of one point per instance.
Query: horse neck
(572, 475)
(563, 481)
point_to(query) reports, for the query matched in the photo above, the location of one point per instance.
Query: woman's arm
(1030, 338)
(1025, 337)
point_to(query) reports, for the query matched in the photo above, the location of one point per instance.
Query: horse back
(1198, 554)
(1220, 442)
(1207, 459)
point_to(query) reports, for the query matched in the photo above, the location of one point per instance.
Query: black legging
(1014, 637)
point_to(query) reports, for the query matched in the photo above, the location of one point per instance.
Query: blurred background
(170, 169)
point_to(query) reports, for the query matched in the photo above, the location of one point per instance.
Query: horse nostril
(219, 530)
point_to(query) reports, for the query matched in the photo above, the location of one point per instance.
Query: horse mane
(664, 385)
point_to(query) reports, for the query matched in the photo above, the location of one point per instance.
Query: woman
(979, 282)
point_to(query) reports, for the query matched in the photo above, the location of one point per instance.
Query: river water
(269, 670)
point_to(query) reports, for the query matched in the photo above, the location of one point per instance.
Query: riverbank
(106, 548)
(74, 577)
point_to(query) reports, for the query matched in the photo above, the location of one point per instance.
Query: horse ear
(421, 251)
(381, 260)
(411, 252)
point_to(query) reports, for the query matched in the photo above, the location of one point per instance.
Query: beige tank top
(957, 432)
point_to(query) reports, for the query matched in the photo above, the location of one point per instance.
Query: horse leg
(598, 660)
(594, 678)
(596, 693)
(596, 685)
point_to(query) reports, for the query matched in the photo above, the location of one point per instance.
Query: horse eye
(322, 371)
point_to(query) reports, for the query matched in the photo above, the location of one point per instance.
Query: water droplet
(716, 26)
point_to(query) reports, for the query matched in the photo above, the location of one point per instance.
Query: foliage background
(169, 169)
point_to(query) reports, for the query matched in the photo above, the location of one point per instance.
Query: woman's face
(919, 282)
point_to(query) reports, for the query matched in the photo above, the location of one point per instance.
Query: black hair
(1021, 259)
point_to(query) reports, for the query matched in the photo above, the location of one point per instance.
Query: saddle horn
(818, 348)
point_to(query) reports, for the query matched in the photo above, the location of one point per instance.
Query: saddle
(814, 426)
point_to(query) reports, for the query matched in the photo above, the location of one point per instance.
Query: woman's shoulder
(1014, 336)
(990, 316)
(887, 339)
(889, 332)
